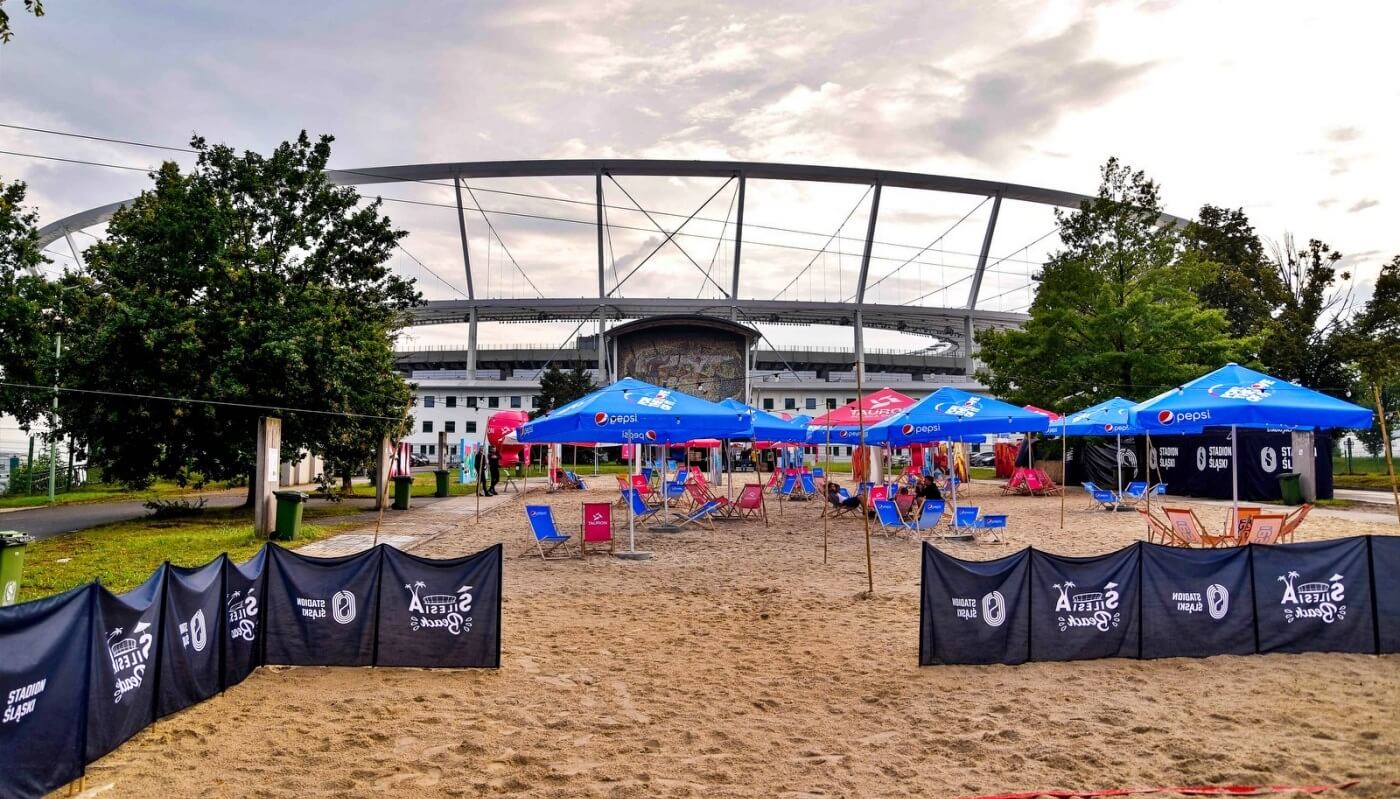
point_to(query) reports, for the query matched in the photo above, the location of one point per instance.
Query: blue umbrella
(765, 426)
(1239, 397)
(951, 413)
(634, 412)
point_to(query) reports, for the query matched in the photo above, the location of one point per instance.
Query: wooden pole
(860, 421)
(1385, 444)
(1064, 469)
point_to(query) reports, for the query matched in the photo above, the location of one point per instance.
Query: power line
(191, 401)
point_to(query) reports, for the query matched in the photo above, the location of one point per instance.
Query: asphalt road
(49, 522)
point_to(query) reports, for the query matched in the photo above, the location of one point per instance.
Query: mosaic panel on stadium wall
(703, 362)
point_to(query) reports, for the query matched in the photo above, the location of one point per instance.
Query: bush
(174, 508)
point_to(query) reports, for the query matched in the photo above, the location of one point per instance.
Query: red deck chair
(750, 503)
(596, 527)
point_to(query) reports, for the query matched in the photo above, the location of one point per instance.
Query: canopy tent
(1109, 418)
(1235, 396)
(843, 424)
(951, 413)
(631, 411)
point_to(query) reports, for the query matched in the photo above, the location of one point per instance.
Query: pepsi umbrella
(951, 413)
(631, 411)
(1238, 397)
(1109, 418)
(765, 426)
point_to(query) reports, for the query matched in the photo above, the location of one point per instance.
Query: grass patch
(123, 554)
(97, 493)
(1371, 482)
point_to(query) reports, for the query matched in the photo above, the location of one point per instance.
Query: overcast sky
(1287, 109)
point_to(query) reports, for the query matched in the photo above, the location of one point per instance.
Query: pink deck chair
(596, 528)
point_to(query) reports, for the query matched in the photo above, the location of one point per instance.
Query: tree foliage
(1244, 283)
(1305, 340)
(559, 388)
(28, 304)
(246, 280)
(35, 7)
(1116, 312)
(1372, 342)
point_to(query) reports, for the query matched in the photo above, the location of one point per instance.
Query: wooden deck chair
(1160, 532)
(1188, 527)
(834, 506)
(596, 528)
(878, 493)
(891, 522)
(750, 503)
(1017, 483)
(704, 514)
(1266, 528)
(1237, 528)
(575, 480)
(1092, 490)
(788, 487)
(546, 535)
(1292, 521)
(645, 491)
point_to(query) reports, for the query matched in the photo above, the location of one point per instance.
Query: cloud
(1343, 134)
(1362, 205)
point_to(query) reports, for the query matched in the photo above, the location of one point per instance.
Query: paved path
(423, 521)
(47, 522)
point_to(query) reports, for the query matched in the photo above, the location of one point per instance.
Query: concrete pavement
(49, 521)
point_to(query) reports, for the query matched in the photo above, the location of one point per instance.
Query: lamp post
(53, 414)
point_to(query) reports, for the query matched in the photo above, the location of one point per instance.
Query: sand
(736, 663)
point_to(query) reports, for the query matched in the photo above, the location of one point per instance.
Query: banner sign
(191, 648)
(1196, 602)
(1315, 597)
(44, 691)
(1199, 465)
(1084, 608)
(1153, 601)
(974, 611)
(440, 613)
(125, 657)
(83, 671)
(321, 611)
(242, 628)
(1385, 580)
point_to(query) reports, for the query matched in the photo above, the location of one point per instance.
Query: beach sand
(737, 663)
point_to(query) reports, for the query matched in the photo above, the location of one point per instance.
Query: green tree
(1305, 339)
(35, 7)
(1244, 282)
(27, 305)
(1372, 342)
(1116, 312)
(558, 388)
(247, 280)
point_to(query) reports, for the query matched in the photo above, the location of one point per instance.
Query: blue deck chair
(789, 485)
(930, 514)
(890, 520)
(965, 517)
(809, 485)
(546, 533)
(818, 472)
(994, 523)
(1134, 493)
(576, 480)
(1090, 488)
(646, 472)
(640, 509)
(1105, 499)
(701, 515)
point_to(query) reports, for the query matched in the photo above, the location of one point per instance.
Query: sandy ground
(737, 663)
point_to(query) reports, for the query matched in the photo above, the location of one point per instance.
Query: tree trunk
(252, 480)
(346, 489)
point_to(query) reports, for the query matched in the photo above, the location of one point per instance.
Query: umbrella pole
(1118, 461)
(1234, 474)
(1064, 469)
(860, 413)
(826, 501)
(1385, 442)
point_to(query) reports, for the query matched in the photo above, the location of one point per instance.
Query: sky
(1289, 110)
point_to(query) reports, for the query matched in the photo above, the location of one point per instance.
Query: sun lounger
(640, 509)
(547, 538)
(1092, 490)
(930, 514)
(596, 528)
(1105, 499)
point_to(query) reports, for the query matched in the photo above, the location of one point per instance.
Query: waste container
(441, 475)
(11, 564)
(289, 513)
(1290, 487)
(403, 488)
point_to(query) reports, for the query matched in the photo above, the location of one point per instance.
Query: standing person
(494, 459)
(479, 466)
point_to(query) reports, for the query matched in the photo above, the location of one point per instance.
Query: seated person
(833, 495)
(928, 489)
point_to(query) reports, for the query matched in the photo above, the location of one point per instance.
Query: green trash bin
(441, 475)
(289, 505)
(11, 564)
(403, 489)
(1290, 487)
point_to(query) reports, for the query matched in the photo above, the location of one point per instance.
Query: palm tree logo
(1064, 589)
(415, 605)
(1290, 596)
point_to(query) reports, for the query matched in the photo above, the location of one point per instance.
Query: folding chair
(1292, 521)
(836, 507)
(697, 494)
(789, 486)
(1017, 483)
(701, 515)
(993, 524)
(596, 528)
(1266, 528)
(546, 533)
(930, 514)
(1047, 486)
(1187, 527)
(905, 503)
(819, 472)
(575, 481)
(891, 523)
(640, 509)
(750, 503)
(878, 493)
(808, 485)
(1136, 492)
(1158, 529)
(1093, 490)
(644, 489)
(1105, 499)
(1237, 525)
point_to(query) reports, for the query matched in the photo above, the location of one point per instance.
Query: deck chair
(1237, 527)
(596, 528)
(750, 505)
(789, 485)
(547, 537)
(891, 523)
(1159, 531)
(1105, 499)
(1186, 526)
(1266, 528)
(879, 492)
(808, 484)
(1133, 494)
(1092, 490)
(575, 480)
(1292, 521)
(818, 472)
(1047, 486)
(1017, 483)
(930, 514)
(645, 491)
(640, 509)
(702, 515)
(834, 507)
(905, 503)
(698, 494)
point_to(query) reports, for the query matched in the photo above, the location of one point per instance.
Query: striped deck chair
(1159, 531)
(1188, 527)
